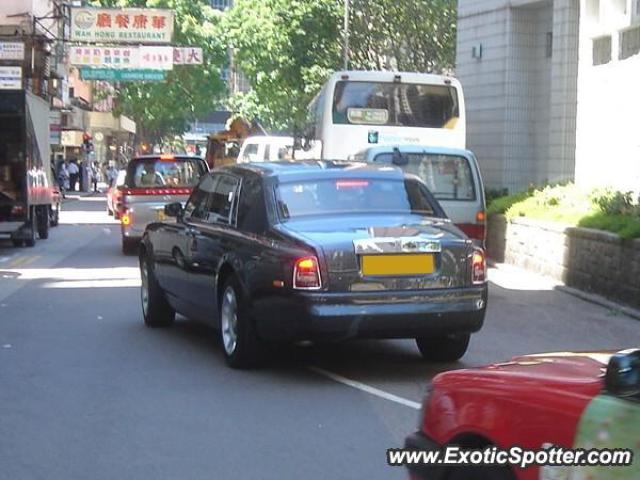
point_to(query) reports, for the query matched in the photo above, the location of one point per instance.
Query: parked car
(273, 252)
(114, 195)
(571, 400)
(265, 148)
(452, 175)
(151, 181)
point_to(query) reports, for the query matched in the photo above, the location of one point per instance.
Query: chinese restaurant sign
(146, 57)
(128, 25)
(119, 75)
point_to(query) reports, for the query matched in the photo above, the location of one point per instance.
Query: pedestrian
(112, 174)
(74, 172)
(95, 176)
(63, 177)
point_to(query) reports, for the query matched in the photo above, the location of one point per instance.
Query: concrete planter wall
(591, 260)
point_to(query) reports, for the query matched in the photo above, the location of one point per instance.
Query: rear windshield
(447, 176)
(354, 196)
(395, 104)
(157, 172)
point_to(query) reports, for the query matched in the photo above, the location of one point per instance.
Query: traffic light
(87, 142)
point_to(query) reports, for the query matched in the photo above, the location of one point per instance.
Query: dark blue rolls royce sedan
(316, 250)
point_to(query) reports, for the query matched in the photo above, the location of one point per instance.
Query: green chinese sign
(117, 75)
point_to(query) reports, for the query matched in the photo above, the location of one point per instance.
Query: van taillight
(478, 267)
(306, 274)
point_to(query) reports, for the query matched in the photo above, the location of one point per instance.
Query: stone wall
(591, 260)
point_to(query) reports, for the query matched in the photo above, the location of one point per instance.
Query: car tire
(42, 221)
(448, 348)
(17, 242)
(240, 344)
(156, 310)
(129, 245)
(479, 473)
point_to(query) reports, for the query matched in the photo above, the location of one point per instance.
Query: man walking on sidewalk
(74, 171)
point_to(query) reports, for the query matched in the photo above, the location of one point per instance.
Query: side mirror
(623, 374)
(173, 209)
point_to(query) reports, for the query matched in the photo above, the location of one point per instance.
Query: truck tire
(30, 241)
(42, 221)
(447, 348)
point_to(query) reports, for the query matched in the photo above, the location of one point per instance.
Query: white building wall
(608, 133)
(519, 115)
(484, 23)
(10, 8)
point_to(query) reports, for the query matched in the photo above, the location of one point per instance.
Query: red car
(570, 400)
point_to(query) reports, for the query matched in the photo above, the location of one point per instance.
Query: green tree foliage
(408, 35)
(286, 48)
(164, 109)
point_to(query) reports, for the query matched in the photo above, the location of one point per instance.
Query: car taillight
(126, 219)
(18, 210)
(478, 268)
(306, 274)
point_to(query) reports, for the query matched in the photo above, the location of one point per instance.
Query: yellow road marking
(23, 261)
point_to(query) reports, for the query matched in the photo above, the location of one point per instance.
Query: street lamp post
(345, 45)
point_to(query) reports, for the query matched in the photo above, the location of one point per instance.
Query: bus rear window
(395, 104)
(448, 177)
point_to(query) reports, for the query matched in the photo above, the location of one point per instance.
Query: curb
(586, 296)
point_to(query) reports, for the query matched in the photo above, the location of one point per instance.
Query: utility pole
(345, 44)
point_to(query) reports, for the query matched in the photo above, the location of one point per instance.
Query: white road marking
(366, 388)
(118, 283)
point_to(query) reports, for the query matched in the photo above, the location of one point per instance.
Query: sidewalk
(509, 276)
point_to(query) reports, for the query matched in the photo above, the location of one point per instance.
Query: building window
(548, 47)
(602, 50)
(629, 42)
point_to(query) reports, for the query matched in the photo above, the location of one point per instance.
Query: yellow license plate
(160, 215)
(398, 264)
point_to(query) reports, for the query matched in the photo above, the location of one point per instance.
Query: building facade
(549, 90)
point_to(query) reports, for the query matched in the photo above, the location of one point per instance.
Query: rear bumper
(420, 441)
(13, 229)
(330, 316)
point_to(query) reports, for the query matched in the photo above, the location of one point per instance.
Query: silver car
(151, 182)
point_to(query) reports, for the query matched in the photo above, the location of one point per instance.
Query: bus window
(395, 104)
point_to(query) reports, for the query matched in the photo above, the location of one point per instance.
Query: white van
(452, 176)
(355, 110)
(265, 148)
